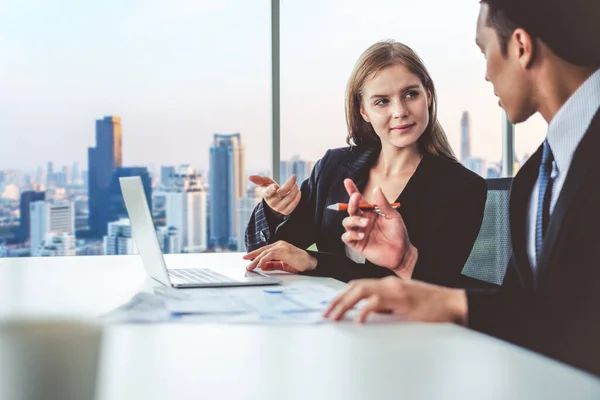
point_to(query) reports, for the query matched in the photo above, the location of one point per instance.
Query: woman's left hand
(281, 256)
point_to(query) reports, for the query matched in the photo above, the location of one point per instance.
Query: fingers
(263, 258)
(261, 180)
(347, 300)
(282, 199)
(254, 253)
(373, 304)
(355, 201)
(288, 199)
(273, 266)
(288, 185)
(270, 191)
(382, 202)
(279, 266)
(351, 237)
(355, 223)
(350, 187)
(292, 205)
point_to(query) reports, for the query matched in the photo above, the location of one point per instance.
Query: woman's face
(395, 103)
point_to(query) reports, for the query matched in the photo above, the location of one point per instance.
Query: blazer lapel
(520, 195)
(585, 156)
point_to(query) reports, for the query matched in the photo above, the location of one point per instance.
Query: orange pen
(344, 206)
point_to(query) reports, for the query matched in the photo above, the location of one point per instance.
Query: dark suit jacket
(442, 207)
(558, 313)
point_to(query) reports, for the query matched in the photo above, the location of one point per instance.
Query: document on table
(264, 302)
(301, 304)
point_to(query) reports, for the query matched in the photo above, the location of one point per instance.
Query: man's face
(507, 74)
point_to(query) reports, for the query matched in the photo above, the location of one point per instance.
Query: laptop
(145, 238)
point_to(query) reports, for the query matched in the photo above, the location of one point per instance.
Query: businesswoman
(395, 143)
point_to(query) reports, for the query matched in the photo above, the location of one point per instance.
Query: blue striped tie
(544, 195)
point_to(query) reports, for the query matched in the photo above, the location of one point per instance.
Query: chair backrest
(492, 249)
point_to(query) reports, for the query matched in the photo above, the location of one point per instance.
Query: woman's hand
(281, 256)
(382, 239)
(283, 200)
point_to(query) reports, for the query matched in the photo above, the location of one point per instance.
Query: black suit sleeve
(298, 228)
(344, 269)
(564, 325)
(445, 251)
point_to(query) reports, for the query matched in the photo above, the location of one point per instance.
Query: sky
(178, 71)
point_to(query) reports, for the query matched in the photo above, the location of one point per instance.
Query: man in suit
(542, 56)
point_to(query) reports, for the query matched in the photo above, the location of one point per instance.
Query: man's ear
(523, 47)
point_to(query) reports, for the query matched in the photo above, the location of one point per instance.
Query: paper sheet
(263, 301)
(301, 304)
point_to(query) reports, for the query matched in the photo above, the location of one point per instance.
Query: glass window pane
(92, 91)
(528, 137)
(321, 41)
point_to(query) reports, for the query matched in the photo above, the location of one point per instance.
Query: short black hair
(570, 28)
(504, 26)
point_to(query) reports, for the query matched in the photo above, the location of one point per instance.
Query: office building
(50, 174)
(227, 185)
(103, 160)
(185, 209)
(465, 137)
(300, 168)
(119, 239)
(169, 239)
(246, 206)
(75, 174)
(477, 165)
(27, 198)
(166, 171)
(50, 217)
(56, 245)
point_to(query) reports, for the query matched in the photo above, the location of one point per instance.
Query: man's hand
(281, 256)
(382, 239)
(413, 300)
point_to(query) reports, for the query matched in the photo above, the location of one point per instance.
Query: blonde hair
(377, 57)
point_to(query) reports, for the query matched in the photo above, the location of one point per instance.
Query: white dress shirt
(565, 132)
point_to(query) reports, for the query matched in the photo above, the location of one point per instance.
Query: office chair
(492, 250)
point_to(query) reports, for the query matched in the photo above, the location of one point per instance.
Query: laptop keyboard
(199, 275)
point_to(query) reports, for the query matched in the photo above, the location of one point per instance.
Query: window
(529, 136)
(321, 41)
(159, 89)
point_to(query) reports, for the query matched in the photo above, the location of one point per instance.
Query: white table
(336, 361)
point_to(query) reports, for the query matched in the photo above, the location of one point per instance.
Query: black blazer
(442, 206)
(557, 313)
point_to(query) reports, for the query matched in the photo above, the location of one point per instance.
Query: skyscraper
(465, 137)
(246, 206)
(165, 174)
(477, 165)
(50, 217)
(295, 166)
(49, 174)
(103, 160)
(75, 175)
(227, 185)
(168, 237)
(286, 169)
(56, 245)
(27, 198)
(119, 239)
(186, 210)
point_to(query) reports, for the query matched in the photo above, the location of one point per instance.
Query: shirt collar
(572, 121)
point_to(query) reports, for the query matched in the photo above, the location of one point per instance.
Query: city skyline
(172, 98)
